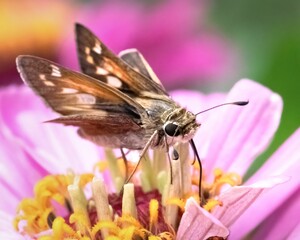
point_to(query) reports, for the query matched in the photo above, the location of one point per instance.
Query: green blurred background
(264, 36)
(268, 36)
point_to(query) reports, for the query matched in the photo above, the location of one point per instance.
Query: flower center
(79, 207)
(64, 208)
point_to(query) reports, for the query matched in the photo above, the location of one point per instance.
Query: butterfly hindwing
(101, 122)
(137, 61)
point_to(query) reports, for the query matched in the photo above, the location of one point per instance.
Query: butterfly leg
(125, 162)
(142, 155)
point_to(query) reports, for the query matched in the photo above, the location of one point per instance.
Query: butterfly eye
(172, 129)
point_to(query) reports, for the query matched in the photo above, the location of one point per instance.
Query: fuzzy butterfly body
(116, 102)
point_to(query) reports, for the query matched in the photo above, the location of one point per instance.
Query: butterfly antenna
(239, 103)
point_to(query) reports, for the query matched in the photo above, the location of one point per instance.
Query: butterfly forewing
(69, 92)
(98, 61)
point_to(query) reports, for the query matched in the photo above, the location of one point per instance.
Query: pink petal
(286, 162)
(6, 228)
(195, 101)
(15, 168)
(242, 133)
(178, 50)
(100, 19)
(237, 199)
(295, 234)
(197, 223)
(281, 222)
(287, 156)
(207, 57)
(55, 147)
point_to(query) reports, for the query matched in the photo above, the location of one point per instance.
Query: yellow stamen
(154, 238)
(108, 225)
(35, 214)
(143, 233)
(176, 201)
(211, 203)
(218, 172)
(113, 238)
(153, 212)
(61, 229)
(127, 220)
(221, 179)
(79, 203)
(127, 233)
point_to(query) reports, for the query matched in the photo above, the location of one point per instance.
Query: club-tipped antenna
(238, 103)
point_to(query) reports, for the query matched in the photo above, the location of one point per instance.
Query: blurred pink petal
(15, 166)
(237, 199)
(282, 221)
(196, 101)
(290, 155)
(178, 50)
(7, 231)
(295, 234)
(197, 223)
(281, 162)
(242, 133)
(23, 113)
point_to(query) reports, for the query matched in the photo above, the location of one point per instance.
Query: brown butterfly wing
(95, 107)
(98, 61)
(101, 123)
(68, 92)
(137, 61)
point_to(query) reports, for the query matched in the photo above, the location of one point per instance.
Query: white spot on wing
(55, 71)
(101, 71)
(68, 90)
(108, 67)
(136, 69)
(86, 98)
(114, 82)
(49, 83)
(97, 48)
(42, 77)
(89, 59)
(87, 50)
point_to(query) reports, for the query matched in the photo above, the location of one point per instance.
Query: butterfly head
(181, 126)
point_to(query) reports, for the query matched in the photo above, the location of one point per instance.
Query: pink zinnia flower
(170, 35)
(228, 141)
